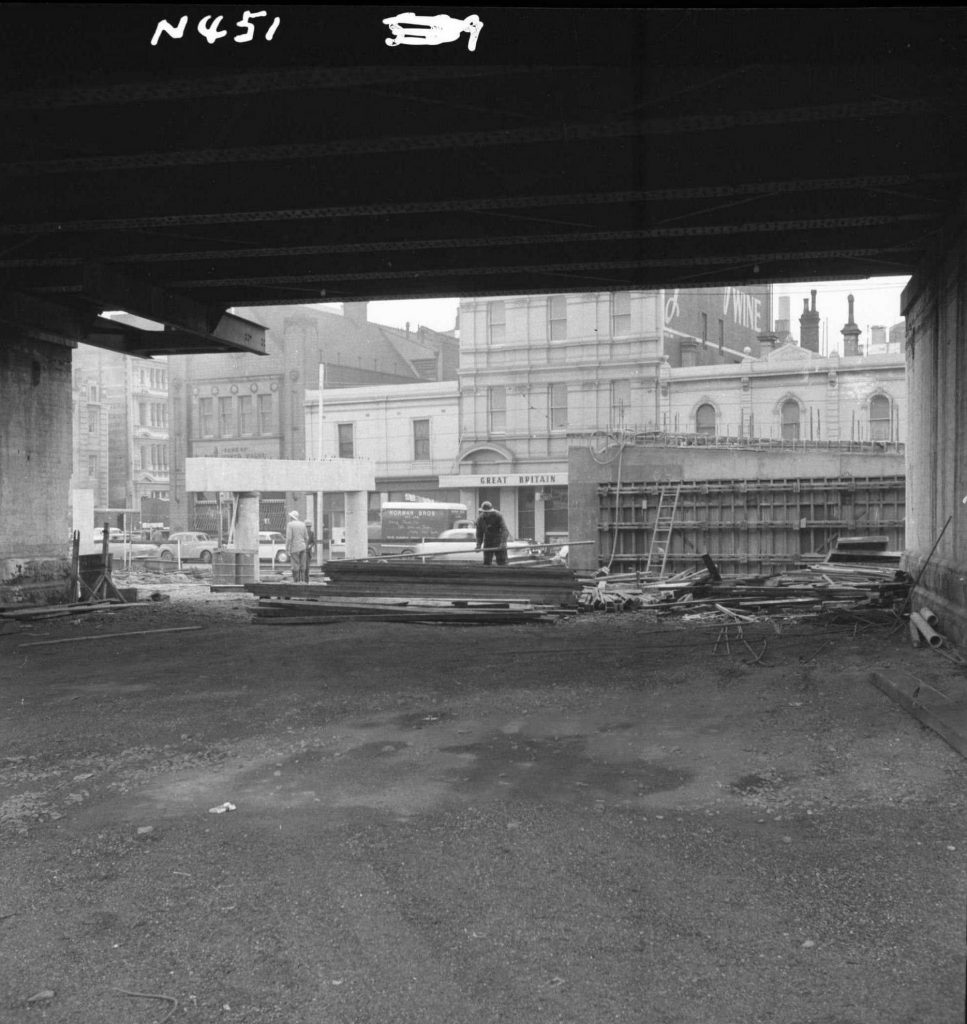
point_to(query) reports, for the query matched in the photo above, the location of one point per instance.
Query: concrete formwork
(754, 511)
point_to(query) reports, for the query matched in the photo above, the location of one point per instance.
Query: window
(206, 416)
(704, 329)
(881, 418)
(555, 510)
(557, 317)
(143, 412)
(790, 420)
(344, 434)
(92, 418)
(721, 335)
(226, 417)
(92, 465)
(246, 415)
(92, 393)
(497, 410)
(496, 322)
(705, 420)
(620, 402)
(421, 440)
(265, 414)
(620, 313)
(557, 406)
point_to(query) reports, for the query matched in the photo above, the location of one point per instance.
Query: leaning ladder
(664, 524)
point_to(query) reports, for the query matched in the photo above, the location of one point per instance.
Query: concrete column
(247, 521)
(508, 509)
(357, 531)
(247, 525)
(539, 532)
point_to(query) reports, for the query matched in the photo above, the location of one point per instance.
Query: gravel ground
(598, 820)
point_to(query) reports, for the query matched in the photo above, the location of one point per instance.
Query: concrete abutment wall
(935, 306)
(35, 469)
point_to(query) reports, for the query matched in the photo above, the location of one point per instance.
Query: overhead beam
(247, 84)
(565, 268)
(485, 242)
(869, 182)
(569, 133)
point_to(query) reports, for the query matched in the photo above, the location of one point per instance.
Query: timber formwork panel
(748, 526)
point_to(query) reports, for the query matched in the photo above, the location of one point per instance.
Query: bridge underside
(568, 150)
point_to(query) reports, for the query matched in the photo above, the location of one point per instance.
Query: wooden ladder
(664, 524)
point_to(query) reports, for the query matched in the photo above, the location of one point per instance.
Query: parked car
(114, 536)
(459, 545)
(194, 547)
(272, 548)
(122, 547)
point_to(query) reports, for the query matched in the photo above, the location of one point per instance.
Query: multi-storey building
(120, 428)
(244, 406)
(146, 424)
(90, 433)
(533, 368)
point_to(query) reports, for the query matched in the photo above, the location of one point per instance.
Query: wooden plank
(108, 636)
(948, 721)
(56, 610)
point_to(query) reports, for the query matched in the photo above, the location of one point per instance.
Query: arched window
(705, 420)
(881, 418)
(790, 420)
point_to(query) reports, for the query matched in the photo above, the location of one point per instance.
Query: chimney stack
(809, 325)
(851, 333)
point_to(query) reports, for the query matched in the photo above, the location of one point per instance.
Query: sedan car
(272, 548)
(460, 545)
(193, 547)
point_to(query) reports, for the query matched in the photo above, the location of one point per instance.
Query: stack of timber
(826, 587)
(422, 592)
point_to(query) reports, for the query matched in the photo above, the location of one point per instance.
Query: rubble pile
(821, 588)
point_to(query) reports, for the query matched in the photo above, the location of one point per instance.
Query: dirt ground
(597, 820)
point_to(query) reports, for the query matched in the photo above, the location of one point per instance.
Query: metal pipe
(928, 616)
(933, 638)
(915, 637)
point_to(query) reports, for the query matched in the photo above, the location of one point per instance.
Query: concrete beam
(136, 341)
(113, 289)
(215, 474)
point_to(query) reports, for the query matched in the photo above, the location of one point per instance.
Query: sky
(876, 302)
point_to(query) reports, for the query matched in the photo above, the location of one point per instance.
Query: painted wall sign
(505, 480)
(731, 315)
